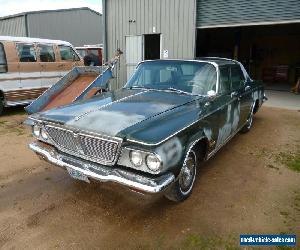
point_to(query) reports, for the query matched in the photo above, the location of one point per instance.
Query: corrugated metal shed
(222, 13)
(15, 26)
(79, 26)
(174, 19)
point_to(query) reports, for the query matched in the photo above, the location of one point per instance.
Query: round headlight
(44, 134)
(36, 130)
(153, 163)
(136, 158)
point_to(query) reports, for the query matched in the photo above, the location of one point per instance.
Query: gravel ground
(250, 186)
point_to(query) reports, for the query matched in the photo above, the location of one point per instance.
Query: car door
(48, 65)
(217, 125)
(30, 79)
(225, 106)
(241, 94)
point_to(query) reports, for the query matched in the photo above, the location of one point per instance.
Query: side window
(26, 52)
(3, 62)
(224, 80)
(68, 54)
(237, 77)
(205, 79)
(46, 53)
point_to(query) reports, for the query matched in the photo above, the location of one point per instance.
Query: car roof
(213, 60)
(33, 40)
(218, 60)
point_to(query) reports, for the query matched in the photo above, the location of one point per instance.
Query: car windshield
(190, 77)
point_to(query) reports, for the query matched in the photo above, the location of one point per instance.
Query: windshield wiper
(138, 87)
(179, 91)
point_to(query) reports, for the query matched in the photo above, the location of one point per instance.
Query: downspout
(195, 28)
(26, 25)
(104, 18)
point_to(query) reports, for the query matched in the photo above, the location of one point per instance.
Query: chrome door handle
(247, 88)
(234, 94)
(207, 104)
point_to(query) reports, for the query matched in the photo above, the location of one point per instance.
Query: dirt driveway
(250, 186)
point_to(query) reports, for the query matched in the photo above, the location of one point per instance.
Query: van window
(3, 63)
(27, 52)
(68, 54)
(46, 53)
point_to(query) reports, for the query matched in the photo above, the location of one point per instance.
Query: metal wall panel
(77, 26)
(14, 26)
(133, 52)
(214, 13)
(174, 19)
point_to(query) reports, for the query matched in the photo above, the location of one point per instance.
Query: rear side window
(46, 53)
(224, 80)
(237, 77)
(3, 62)
(26, 52)
(67, 53)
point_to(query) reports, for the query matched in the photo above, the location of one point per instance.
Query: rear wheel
(1, 104)
(182, 188)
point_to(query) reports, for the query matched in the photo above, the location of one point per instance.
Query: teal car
(154, 133)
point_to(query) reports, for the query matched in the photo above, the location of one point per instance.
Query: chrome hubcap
(250, 119)
(187, 174)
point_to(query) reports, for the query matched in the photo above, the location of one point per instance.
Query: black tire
(1, 104)
(249, 123)
(182, 188)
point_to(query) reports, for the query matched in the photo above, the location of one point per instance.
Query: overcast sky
(9, 7)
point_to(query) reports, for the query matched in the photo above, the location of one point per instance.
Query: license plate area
(77, 175)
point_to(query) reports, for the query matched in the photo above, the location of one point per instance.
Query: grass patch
(8, 127)
(195, 241)
(291, 160)
(283, 213)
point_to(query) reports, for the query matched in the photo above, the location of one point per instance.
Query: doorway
(270, 53)
(152, 47)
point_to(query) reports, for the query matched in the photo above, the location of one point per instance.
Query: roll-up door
(227, 13)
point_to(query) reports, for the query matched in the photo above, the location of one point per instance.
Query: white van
(29, 66)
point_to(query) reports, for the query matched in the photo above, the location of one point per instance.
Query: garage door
(226, 13)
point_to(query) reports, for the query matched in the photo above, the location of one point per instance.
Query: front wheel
(182, 188)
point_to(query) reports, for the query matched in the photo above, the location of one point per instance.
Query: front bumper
(103, 173)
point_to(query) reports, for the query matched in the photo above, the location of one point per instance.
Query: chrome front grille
(94, 148)
(62, 138)
(98, 148)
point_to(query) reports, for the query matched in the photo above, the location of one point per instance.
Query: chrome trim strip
(17, 103)
(103, 173)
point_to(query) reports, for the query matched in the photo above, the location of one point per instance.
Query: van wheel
(182, 188)
(1, 104)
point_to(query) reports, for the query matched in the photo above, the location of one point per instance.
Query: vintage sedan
(152, 134)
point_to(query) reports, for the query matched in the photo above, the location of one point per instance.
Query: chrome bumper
(103, 173)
